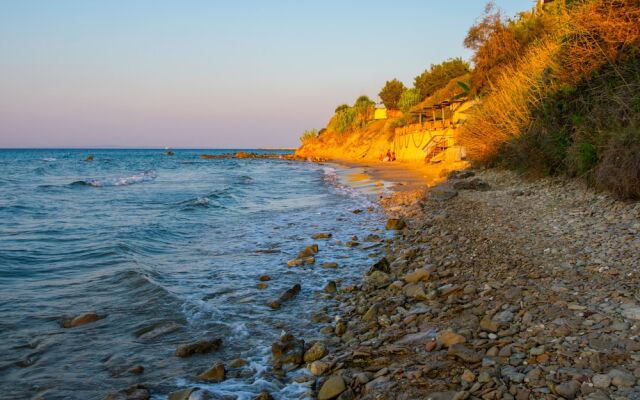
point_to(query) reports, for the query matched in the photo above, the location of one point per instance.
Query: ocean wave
(119, 181)
(48, 159)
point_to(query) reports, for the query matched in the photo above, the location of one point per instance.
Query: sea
(168, 249)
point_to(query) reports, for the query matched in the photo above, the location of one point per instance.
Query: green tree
(408, 99)
(438, 75)
(345, 118)
(363, 108)
(391, 92)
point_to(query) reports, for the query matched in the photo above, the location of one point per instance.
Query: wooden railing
(425, 126)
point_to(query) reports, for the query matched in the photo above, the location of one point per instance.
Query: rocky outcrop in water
(82, 319)
(198, 347)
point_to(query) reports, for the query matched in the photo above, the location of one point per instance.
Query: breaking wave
(119, 181)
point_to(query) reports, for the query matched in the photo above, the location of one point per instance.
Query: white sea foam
(123, 181)
(48, 159)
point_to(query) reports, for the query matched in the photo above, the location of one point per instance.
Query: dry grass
(506, 112)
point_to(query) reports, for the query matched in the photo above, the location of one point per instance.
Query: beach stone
(621, 378)
(341, 328)
(315, 352)
(382, 265)
(198, 347)
(295, 263)
(287, 295)
(448, 338)
(472, 184)
(372, 313)
(418, 338)
(489, 325)
(79, 320)
(134, 392)
(237, 362)
(321, 235)
(309, 251)
(287, 350)
(442, 194)
(630, 311)
(420, 274)
(601, 381)
(264, 278)
(332, 388)
(329, 264)
(463, 353)
(396, 224)
(378, 279)
(449, 395)
(414, 290)
(214, 374)
(468, 376)
(568, 390)
(330, 287)
(462, 174)
(318, 368)
(347, 395)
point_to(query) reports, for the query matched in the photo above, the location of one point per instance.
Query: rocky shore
(496, 288)
(491, 288)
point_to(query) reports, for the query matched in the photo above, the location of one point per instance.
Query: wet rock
(264, 278)
(450, 395)
(396, 224)
(155, 331)
(352, 243)
(198, 347)
(89, 158)
(135, 392)
(315, 352)
(341, 328)
(332, 388)
(321, 235)
(287, 351)
(295, 263)
(194, 393)
(347, 395)
(329, 264)
(308, 251)
(136, 369)
(80, 320)
(330, 287)
(262, 285)
(264, 395)
(287, 295)
(463, 353)
(449, 338)
(237, 363)
(215, 373)
(472, 184)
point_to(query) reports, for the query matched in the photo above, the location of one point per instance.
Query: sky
(209, 74)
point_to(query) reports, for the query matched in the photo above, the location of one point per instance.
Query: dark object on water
(287, 295)
(199, 347)
(89, 158)
(169, 153)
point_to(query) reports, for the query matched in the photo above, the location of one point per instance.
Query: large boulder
(213, 374)
(287, 351)
(315, 352)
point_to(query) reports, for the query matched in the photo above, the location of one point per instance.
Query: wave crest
(119, 181)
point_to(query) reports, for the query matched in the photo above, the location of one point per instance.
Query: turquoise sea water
(153, 240)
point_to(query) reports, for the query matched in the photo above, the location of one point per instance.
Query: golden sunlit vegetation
(556, 91)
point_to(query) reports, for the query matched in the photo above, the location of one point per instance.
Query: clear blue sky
(208, 73)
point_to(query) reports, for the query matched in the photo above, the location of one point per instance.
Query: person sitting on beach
(387, 158)
(393, 156)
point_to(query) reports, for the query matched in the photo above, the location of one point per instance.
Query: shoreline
(497, 288)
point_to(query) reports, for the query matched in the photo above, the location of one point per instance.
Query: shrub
(308, 136)
(439, 75)
(391, 92)
(363, 108)
(344, 119)
(408, 99)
